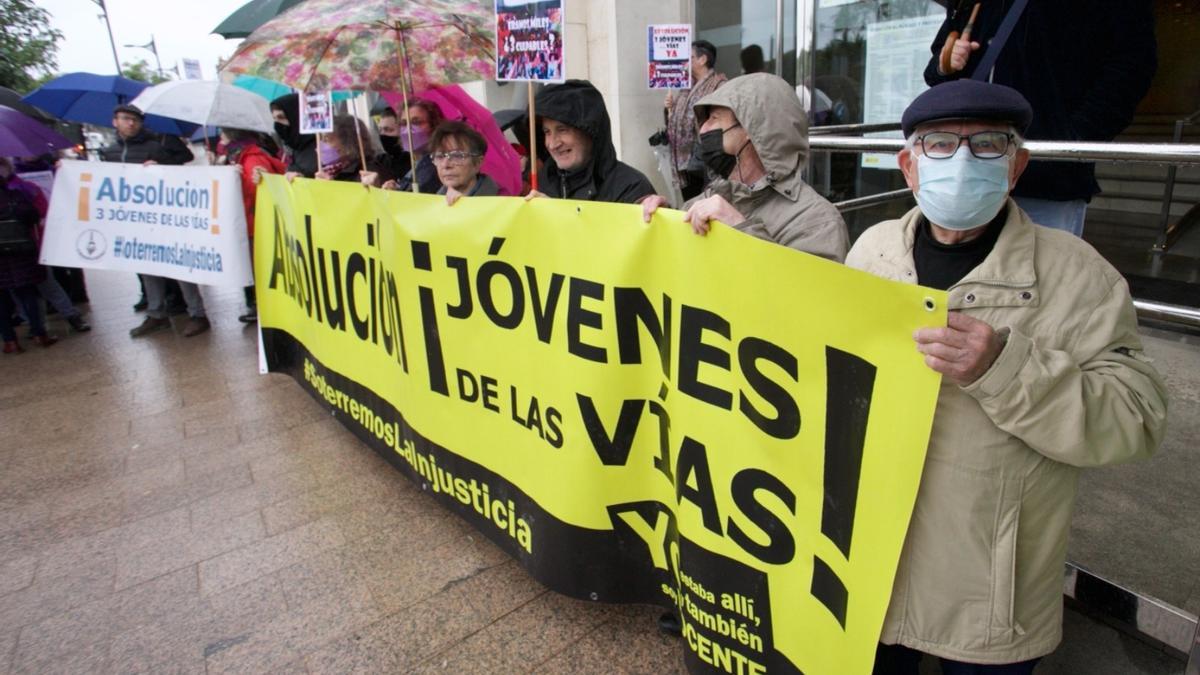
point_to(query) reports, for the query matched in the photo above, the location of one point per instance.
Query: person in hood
(301, 148)
(1043, 374)
(754, 135)
(581, 162)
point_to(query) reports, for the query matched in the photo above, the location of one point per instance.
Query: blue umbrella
(23, 136)
(90, 98)
(271, 90)
(205, 134)
(268, 89)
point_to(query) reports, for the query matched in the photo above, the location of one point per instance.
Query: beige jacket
(781, 208)
(981, 573)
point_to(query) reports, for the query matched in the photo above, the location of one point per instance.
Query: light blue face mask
(961, 192)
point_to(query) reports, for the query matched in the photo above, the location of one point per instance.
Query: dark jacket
(145, 146)
(578, 104)
(427, 177)
(1084, 65)
(484, 187)
(22, 268)
(301, 148)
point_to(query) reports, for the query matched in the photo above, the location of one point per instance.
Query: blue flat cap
(968, 99)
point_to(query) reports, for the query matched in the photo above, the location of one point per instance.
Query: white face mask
(961, 192)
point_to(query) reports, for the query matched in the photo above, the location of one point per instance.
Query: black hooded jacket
(1083, 65)
(578, 104)
(145, 146)
(302, 148)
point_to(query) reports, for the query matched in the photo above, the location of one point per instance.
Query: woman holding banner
(340, 156)
(458, 155)
(242, 149)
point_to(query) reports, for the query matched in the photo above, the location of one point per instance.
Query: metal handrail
(1146, 615)
(1160, 311)
(872, 200)
(1157, 153)
(1166, 235)
(834, 129)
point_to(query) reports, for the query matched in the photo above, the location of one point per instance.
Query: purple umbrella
(23, 136)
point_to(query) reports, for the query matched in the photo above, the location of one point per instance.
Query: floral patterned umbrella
(373, 45)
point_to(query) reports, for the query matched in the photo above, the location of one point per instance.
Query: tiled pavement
(165, 509)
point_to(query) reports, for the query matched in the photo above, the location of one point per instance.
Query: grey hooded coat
(781, 207)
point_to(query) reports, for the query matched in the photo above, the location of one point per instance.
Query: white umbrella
(207, 102)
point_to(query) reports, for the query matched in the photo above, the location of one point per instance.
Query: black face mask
(712, 152)
(391, 144)
(284, 131)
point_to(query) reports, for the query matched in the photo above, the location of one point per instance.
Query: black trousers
(901, 660)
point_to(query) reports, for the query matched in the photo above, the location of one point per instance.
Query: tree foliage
(28, 45)
(141, 70)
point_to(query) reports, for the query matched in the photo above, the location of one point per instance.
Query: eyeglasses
(456, 157)
(983, 144)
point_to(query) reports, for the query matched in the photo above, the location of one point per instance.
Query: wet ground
(164, 508)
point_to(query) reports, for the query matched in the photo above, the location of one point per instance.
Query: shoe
(12, 347)
(195, 326)
(141, 305)
(251, 316)
(177, 309)
(669, 624)
(150, 325)
(45, 340)
(78, 324)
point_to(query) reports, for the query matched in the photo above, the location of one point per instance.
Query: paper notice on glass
(897, 52)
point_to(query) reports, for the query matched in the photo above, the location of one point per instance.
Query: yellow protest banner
(637, 414)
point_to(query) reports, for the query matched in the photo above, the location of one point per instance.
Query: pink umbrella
(501, 162)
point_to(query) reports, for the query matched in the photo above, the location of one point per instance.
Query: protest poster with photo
(182, 222)
(670, 52)
(529, 41)
(316, 112)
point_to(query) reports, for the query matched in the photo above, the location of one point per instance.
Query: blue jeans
(901, 660)
(27, 297)
(1055, 214)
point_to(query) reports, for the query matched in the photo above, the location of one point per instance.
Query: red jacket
(249, 158)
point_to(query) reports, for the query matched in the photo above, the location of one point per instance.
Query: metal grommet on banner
(930, 305)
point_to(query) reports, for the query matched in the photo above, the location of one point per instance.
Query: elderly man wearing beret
(1043, 374)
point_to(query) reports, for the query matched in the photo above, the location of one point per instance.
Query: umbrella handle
(533, 182)
(402, 57)
(948, 47)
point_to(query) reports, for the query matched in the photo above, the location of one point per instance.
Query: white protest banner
(670, 51)
(182, 222)
(529, 41)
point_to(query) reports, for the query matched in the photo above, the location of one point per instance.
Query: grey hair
(1018, 139)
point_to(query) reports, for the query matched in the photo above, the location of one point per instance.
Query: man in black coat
(580, 161)
(1084, 65)
(137, 145)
